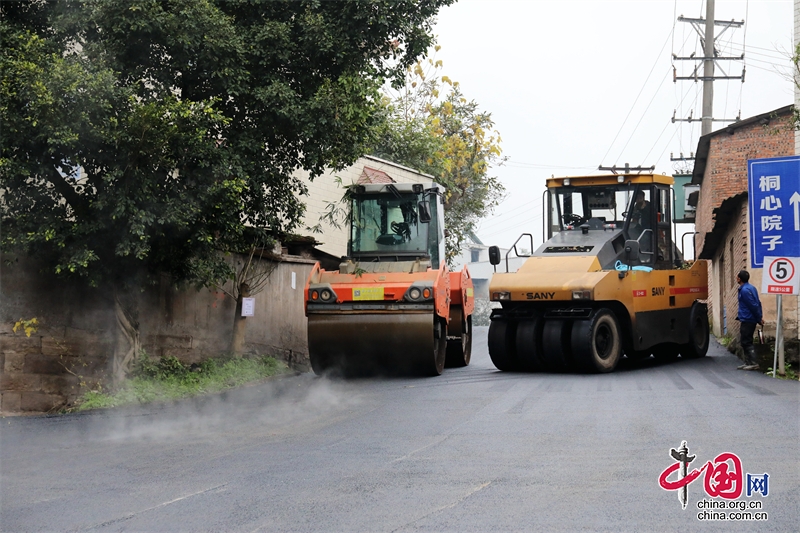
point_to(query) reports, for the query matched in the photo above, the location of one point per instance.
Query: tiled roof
(371, 175)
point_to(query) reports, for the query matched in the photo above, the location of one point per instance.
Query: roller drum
(368, 343)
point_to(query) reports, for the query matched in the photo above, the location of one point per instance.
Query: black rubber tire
(502, 349)
(698, 333)
(667, 351)
(529, 344)
(459, 351)
(556, 353)
(597, 342)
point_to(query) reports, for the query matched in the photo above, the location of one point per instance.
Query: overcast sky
(575, 84)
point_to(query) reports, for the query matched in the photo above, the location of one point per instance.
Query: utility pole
(708, 70)
(710, 58)
(705, 28)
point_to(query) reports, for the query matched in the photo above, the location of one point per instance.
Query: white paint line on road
(448, 506)
(467, 495)
(131, 515)
(409, 454)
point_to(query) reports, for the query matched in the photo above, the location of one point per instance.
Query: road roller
(607, 282)
(393, 306)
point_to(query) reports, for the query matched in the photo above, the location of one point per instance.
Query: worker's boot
(750, 358)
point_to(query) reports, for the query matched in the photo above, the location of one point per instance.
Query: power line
(523, 164)
(666, 145)
(644, 113)
(677, 129)
(529, 204)
(510, 228)
(749, 53)
(495, 222)
(640, 92)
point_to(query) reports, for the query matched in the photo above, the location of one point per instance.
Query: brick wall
(725, 176)
(732, 256)
(726, 169)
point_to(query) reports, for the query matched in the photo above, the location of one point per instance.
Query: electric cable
(662, 133)
(523, 164)
(638, 95)
(644, 113)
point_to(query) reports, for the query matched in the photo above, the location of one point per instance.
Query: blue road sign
(773, 188)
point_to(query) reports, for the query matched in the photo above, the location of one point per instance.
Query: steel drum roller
(364, 342)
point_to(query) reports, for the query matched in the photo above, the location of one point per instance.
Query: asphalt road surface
(472, 450)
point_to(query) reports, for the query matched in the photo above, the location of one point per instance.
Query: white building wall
(468, 252)
(325, 190)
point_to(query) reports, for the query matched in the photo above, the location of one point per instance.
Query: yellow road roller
(608, 281)
(393, 306)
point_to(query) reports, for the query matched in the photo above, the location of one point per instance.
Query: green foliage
(790, 374)
(147, 137)
(725, 340)
(168, 379)
(429, 125)
(29, 326)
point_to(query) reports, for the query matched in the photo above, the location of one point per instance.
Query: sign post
(781, 275)
(773, 189)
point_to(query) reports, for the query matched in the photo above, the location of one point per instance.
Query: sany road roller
(393, 305)
(607, 281)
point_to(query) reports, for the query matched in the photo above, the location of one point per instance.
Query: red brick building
(722, 218)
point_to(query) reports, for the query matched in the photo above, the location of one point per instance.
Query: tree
(146, 136)
(448, 137)
(251, 274)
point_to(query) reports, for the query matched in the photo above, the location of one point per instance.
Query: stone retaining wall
(71, 350)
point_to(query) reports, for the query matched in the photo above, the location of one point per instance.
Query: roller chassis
(570, 308)
(566, 338)
(390, 335)
(393, 306)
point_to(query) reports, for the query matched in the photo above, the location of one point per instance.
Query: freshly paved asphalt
(472, 450)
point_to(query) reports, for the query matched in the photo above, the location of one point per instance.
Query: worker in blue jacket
(749, 317)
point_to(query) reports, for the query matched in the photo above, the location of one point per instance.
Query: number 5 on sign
(781, 275)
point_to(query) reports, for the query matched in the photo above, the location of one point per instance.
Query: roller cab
(608, 281)
(393, 305)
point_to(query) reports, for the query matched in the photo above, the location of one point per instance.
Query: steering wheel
(402, 229)
(572, 219)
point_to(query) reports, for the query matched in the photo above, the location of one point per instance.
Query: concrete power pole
(705, 29)
(708, 70)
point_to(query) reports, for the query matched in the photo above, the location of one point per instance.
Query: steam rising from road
(266, 409)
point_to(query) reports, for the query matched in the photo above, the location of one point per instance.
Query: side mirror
(494, 255)
(424, 212)
(632, 250)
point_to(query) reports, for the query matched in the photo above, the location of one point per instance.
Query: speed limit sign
(781, 275)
